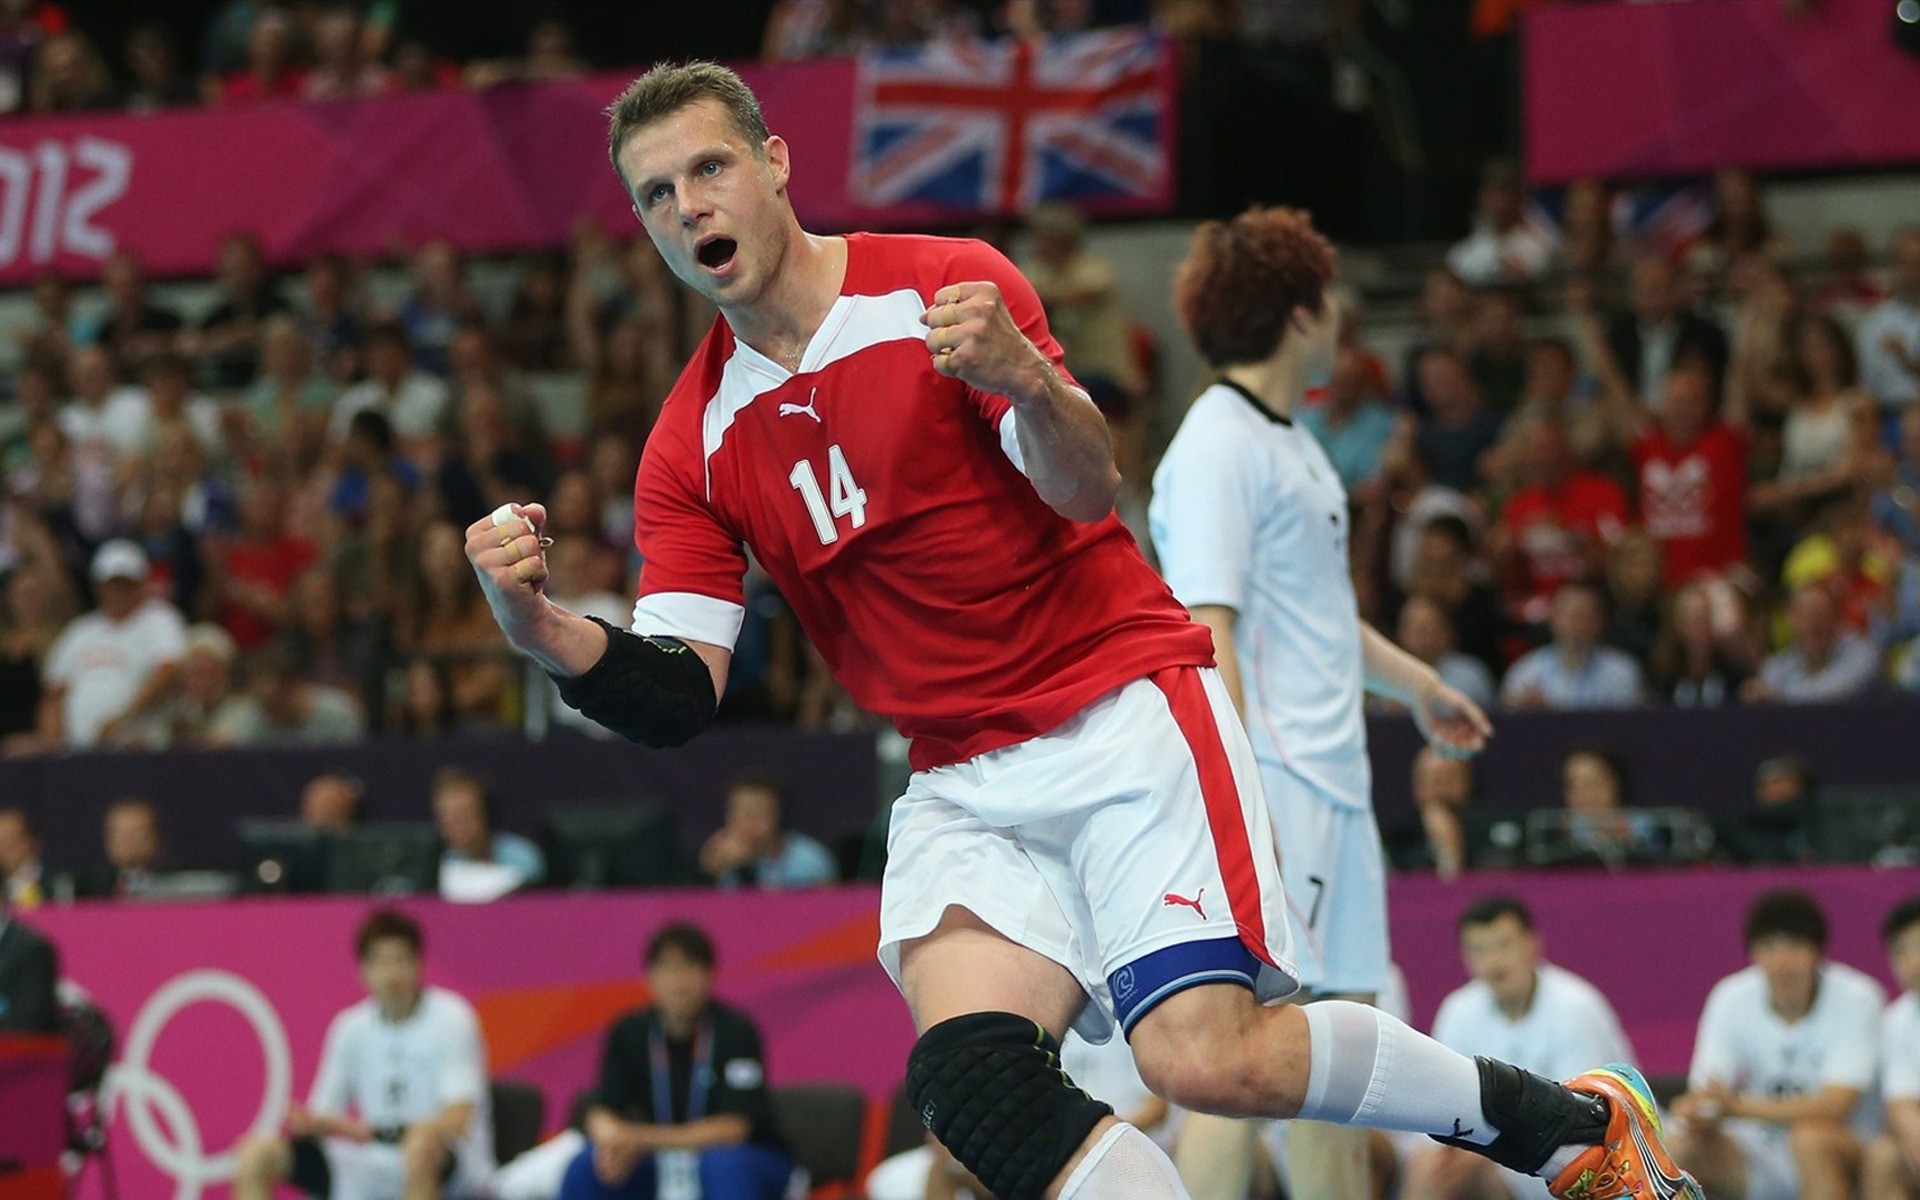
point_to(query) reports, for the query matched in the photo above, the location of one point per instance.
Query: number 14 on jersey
(843, 497)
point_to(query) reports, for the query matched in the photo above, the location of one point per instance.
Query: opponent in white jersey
(1779, 1095)
(1892, 1170)
(1519, 1008)
(399, 1106)
(1250, 522)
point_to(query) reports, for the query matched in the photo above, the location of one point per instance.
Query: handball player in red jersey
(886, 424)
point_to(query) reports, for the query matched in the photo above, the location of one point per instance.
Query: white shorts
(1130, 845)
(1771, 1172)
(378, 1170)
(1336, 881)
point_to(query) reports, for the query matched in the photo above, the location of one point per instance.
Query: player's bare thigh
(1214, 1048)
(964, 966)
(1712, 1157)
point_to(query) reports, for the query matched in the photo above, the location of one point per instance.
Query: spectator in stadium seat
(104, 418)
(1425, 630)
(1518, 1006)
(69, 77)
(1889, 336)
(412, 400)
(1821, 663)
(288, 402)
(334, 318)
(36, 602)
(1504, 246)
(534, 335)
(1457, 429)
(437, 305)
(1442, 567)
(1896, 505)
(399, 1104)
(132, 327)
(286, 710)
(253, 572)
(1847, 555)
(1635, 601)
(681, 1106)
(1587, 246)
(1498, 357)
(1660, 328)
(24, 880)
(331, 802)
(1575, 669)
(1446, 311)
(130, 836)
(1787, 1048)
(112, 669)
(29, 977)
(1778, 829)
(489, 461)
(1694, 664)
(1082, 296)
(463, 812)
(1690, 464)
(153, 71)
(270, 72)
(51, 329)
(1892, 1167)
(227, 341)
(341, 70)
(1352, 425)
(1445, 839)
(207, 706)
(1558, 526)
(754, 848)
(445, 617)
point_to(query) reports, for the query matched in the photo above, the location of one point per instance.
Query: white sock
(1367, 1068)
(1124, 1165)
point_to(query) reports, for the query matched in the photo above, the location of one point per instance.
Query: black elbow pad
(652, 690)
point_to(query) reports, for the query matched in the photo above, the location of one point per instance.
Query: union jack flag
(1000, 126)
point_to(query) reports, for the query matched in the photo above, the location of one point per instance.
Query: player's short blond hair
(669, 87)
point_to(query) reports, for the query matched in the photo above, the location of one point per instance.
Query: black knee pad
(990, 1087)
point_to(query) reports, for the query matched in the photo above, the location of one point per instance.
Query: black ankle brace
(1535, 1117)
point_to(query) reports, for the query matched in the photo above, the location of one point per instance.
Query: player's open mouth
(715, 253)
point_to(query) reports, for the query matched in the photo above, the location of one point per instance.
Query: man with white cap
(112, 669)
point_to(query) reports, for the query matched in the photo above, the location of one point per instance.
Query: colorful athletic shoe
(1632, 1164)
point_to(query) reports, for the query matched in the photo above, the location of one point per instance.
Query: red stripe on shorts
(1193, 713)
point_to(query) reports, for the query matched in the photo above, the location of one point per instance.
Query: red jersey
(1553, 529)
(274, 566)
(1693, 499)
(887, 503)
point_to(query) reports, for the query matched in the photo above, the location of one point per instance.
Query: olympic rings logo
(162, 1122)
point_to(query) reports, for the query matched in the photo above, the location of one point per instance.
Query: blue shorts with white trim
(1146, 981)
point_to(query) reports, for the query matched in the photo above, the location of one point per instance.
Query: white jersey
(1248, 513)
(103, 664)
(1745, 1044)
(393, 1074)
(1568, 1028)
(1900, 1049)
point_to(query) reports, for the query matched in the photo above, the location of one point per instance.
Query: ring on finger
(508, 544)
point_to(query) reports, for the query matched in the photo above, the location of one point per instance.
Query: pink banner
(221, 1009)
(505, 169)
(1625, 90)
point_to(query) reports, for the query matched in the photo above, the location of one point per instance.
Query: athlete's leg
(1215, 1156)
(265, 1160)
(985, 1072)
(1713, 1158)
(1444, 1173)
(1212, 1047)
(1330, 1160)
(1828, 1158)
(1886, 1175)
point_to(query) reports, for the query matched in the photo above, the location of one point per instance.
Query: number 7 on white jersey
(844, 497)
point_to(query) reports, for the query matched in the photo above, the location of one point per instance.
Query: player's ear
(779, 160)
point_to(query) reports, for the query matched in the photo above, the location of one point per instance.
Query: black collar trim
(1259, 406)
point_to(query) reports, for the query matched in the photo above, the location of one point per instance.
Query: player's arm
(1219, 619)
(652, 690)
(1452, 722)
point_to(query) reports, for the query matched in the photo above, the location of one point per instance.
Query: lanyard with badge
(680, 1169)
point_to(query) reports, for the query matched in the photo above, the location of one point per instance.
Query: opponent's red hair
(1242, 279)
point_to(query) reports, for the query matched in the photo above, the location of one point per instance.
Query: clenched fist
(973, 338)
(508, 553)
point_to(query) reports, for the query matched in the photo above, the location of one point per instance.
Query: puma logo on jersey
(1194, 904)
(787, 410)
